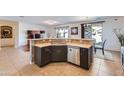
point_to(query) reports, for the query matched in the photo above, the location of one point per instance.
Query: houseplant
(120, 37)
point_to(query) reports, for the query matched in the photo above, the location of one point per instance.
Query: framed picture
(74, 31)
(6, 32)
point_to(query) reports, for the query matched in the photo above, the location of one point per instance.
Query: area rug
(107, 56)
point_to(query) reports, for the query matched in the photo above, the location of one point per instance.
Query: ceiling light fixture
(50, 22)
(21, 16)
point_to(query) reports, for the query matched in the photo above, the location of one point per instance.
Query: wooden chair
(101, 47)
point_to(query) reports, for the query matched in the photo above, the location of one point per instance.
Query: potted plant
(120, 37)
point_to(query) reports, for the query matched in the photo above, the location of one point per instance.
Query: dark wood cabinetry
(42, 55)
(86, 57)
(45, 55)
(37, 56)
(59, 53)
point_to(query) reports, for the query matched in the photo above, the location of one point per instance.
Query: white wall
(79, 30)
(108, 26)
(23, 27)
(19, 32)
(9, 41)
(53, 33)
(20, 29)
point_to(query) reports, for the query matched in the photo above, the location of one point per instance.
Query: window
(88, 31)
(97, 32)
(62, 32)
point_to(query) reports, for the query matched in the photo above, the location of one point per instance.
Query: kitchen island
(78, 52)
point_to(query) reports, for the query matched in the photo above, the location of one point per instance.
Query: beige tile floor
(15, 62)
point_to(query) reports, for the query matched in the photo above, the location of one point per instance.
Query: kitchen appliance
(122, 57)
(74, 55)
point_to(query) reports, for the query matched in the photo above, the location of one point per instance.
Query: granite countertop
(69, 44)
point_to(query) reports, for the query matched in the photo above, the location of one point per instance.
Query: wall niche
(6, 32)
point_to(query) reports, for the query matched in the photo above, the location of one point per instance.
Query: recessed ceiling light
(50, 22)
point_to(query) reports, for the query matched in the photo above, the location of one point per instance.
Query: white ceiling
(39, 20)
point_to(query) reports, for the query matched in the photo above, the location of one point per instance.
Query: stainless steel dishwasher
(74, 55)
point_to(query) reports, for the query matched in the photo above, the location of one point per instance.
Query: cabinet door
(59, 53)
(37, 56)
(90, 55)
(84, 58)
(45, 55)
(42, 56)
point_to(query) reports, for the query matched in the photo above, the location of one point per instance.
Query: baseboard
(24, 47)
(112, 50)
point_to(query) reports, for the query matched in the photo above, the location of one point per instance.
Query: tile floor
(15, 62)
